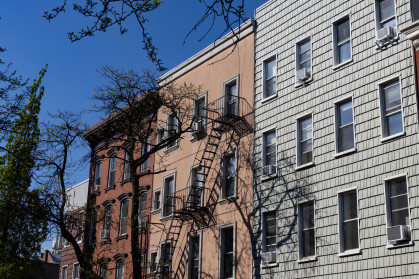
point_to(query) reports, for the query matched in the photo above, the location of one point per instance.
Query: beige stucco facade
(213, 70)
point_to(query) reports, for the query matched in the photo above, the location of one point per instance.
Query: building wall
(210, 74)
(280, 25)
(107, 249)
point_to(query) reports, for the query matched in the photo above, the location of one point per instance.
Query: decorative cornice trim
(124, 196)
(108, 202)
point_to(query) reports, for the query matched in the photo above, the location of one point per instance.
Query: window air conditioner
(105, 234)
(269, 170)
(269, 257)
(398, 233)
(385, 34)
(302, 74)
(197, 127)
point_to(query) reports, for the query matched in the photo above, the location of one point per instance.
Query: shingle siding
(280, 24)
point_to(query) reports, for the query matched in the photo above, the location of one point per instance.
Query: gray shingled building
(336, 141)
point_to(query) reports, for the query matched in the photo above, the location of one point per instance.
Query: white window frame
(154, 209)
(223, 196)
(155, 251)
(163, 194)
(387, 207)
(221, 248)
(159, 255)
(145, 166)
(113, 156)
(226, 85)
(204, 120)
(269, 130)
(126, 200)
(336, 122)
(264, 76)
(199, 235)
(380, 85)
(377, 18)
(264, 230)
(74, 275)
(356, 251)
(126, 173)
(336, 63)
(297, 60)
(298, 136)
(105, 226)
(176, 141)
(302, 259)
(64, 275)
(96, 187)
(104, 264)
(192, 169)
(117, 270)
(79, 238)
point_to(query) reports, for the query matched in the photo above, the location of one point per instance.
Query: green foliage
(21, 227)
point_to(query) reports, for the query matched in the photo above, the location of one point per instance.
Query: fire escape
(195, 205)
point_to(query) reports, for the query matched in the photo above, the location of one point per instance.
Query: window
(269, 78)
(172, 127)
(156, 199)
(306, 229)
(153, 262)
(269, 148)
(119, 270)
(385, 14)
(348, 221)
(104, 270)
(107, 221)
(231, 93)
(227, 256)
(269, 232)
(345, 138)
(112, 170)
(142, 209)
(229, 175)
(304, 141)
(144, 149)
(194, 256)
(123, 221)
(127, 173)
(168, 199)
(414, 8)
(391, 108)
(76, 271)
(342, 40)
(69, 228)
(92, 230)
(199, 114)
(79, 231)
(64, 272)
(98, 174)
(196, 186)
(303, 61)
(165, 260)
(397, 201)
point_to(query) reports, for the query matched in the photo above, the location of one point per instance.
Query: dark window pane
(228, 240)
(350, 235)
(270, 87)
(346, 138)
(343, 31)
(400, 217)
(350, 206)
(306, 158)
(308, 243)
(228, 266)
(398, 202)
(386, 9)
(345, 113)
(398, 187)
(308, 215)
(344, 52)
(395, 124)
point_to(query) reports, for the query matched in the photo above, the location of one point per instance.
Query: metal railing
(228, 105)
(186, 200)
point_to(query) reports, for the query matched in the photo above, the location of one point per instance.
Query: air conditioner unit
(105, 234)
(385, 34)
(303, 74)
(197, 127)
(269, 257)
(269, 170)
(398, 233)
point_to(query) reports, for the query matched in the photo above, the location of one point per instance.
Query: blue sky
(31, 42)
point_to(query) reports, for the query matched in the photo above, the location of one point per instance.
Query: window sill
(267, 99)
(338, 66)
(106, 241)
(346, 152)
(350, 253)
(393, 136)
(165, 218)
(304, 166)
(110, 188)
(304, 83)
(404, 244)
(154, 211)
(268, 177)
(307, 259)
(172, 148)
(228, 200)
(270, 265)
(145, 171)
(124, 181)
(96, 193)
(124, 236)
